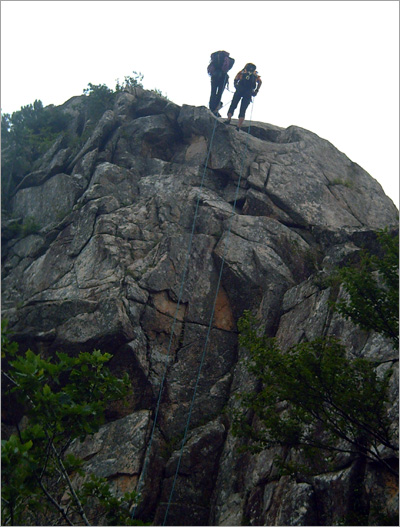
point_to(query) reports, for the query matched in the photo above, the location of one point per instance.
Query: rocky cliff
(157, 220)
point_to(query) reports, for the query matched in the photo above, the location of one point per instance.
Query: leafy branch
(64, 399)
(314, 396)
(373, 289)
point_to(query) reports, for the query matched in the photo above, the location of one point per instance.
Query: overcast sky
(331, 67)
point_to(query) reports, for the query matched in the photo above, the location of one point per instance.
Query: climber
(247, 83)
(218, 68)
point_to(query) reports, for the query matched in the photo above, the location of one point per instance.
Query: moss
(342, 182)
(28, 226)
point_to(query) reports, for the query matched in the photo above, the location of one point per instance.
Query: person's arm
(237, 78)
(259, 82)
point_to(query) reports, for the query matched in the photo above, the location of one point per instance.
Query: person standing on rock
(247, 83)
(218, 69)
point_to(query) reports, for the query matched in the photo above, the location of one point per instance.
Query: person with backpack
(247, 83)
(218, 69)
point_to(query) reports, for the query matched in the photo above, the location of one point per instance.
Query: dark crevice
(239, 205)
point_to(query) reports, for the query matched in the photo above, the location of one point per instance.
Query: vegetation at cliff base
(63, 400)
(315, 398)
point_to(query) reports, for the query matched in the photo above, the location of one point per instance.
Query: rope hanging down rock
(188, 253)
(210, 323)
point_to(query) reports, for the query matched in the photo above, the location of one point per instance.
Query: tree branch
(69, 483)
(54, 502)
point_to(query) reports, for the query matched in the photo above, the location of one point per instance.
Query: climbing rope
(209, 325)
(148, 450)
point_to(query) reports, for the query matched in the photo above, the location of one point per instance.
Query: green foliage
(342, 182)
(28, 226)
(99, 98)
(313, 398)
(28, 133)
(160, 93)
(130, 82)
(373, 289)
(25, 136)
(64, 399)
(114, 509)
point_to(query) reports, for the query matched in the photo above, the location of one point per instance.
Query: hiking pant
(218, 83)
(246, 99)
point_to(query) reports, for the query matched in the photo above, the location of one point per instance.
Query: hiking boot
(237, 129)
(228, 121)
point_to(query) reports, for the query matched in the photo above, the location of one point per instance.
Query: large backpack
(220, 62)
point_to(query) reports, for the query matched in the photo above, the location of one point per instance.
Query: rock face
(142, 240)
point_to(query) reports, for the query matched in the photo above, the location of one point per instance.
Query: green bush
(25, 136)
(64, 399)
(28, 133)
(314, 398)
(28, 226)
(99, 98)
(373, 289)
(130, 82)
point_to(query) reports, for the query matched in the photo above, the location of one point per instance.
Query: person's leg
(219, 92)
(235, 101)
(213, 97)
(243, 107)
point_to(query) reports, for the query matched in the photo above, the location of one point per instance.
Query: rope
(147, 455)
(209, 325)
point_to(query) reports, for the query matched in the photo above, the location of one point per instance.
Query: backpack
(248, 81)
(220, 62)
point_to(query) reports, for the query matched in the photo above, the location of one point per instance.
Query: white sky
(331, 67)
